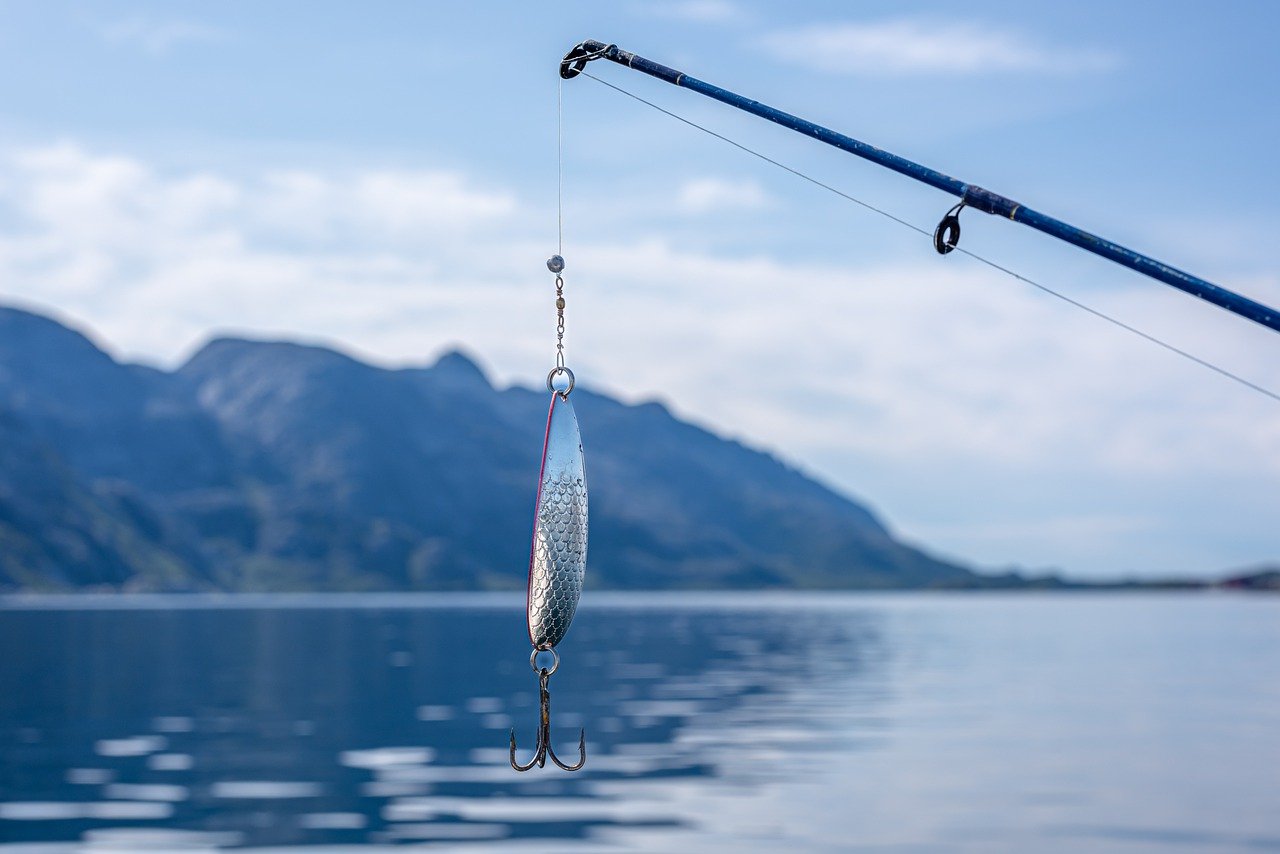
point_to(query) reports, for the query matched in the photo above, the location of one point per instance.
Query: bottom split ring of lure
(555, 660)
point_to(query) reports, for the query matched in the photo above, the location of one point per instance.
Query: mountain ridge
(259, 465)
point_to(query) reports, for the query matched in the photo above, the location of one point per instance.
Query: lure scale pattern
(558, 558)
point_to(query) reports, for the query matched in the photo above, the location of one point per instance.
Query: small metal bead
(555, 264)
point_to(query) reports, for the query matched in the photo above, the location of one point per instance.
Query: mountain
(271, 465)
(1264, 577)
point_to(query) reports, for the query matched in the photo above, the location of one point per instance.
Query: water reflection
(739, 724)
(208, 728)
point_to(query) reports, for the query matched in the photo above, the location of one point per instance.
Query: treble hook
(543, 748)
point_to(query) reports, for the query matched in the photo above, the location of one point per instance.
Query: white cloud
(935, 360)
(376, 205)
(701, 11)
(158, 37)
(907, 382)
(707, 195)
(155, 259)
(910, 46)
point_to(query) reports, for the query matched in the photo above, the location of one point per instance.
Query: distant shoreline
(1262, 579)
(510, 599)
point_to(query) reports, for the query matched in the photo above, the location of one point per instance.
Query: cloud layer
(987, 418)
(159, 37)
(911, 46)
(707, 195)
(696, 11)
(156, 260)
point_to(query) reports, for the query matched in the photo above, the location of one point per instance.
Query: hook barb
(543, 749)
(582, 753)
(539, 757)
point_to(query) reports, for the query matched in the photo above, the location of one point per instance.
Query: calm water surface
(751, 722)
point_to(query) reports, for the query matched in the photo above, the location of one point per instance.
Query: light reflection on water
(745, 722)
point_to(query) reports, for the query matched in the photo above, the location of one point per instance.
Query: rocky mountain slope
(268, 466)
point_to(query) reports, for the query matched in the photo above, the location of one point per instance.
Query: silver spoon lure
(558, 555)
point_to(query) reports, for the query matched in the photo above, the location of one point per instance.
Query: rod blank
(972, 195)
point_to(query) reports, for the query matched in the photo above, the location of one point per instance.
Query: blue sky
(382, 177)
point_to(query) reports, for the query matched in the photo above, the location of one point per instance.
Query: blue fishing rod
(947, 234)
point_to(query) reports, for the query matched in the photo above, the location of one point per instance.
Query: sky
(381, 177)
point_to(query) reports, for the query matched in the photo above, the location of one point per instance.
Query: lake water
(743, 722)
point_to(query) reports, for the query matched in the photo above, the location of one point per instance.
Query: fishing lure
(558, 555)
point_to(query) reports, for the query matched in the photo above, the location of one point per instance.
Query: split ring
(551, 385)
(555, 660)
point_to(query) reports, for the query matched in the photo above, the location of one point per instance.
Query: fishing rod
(947, 235)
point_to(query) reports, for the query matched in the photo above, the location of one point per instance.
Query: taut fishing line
(931, 235)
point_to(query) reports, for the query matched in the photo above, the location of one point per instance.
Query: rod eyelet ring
(576, 59)
(551, 384)
(555, 660)
(947, 235)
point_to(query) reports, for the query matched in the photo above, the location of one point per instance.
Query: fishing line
(559, 166)
(929, 233)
